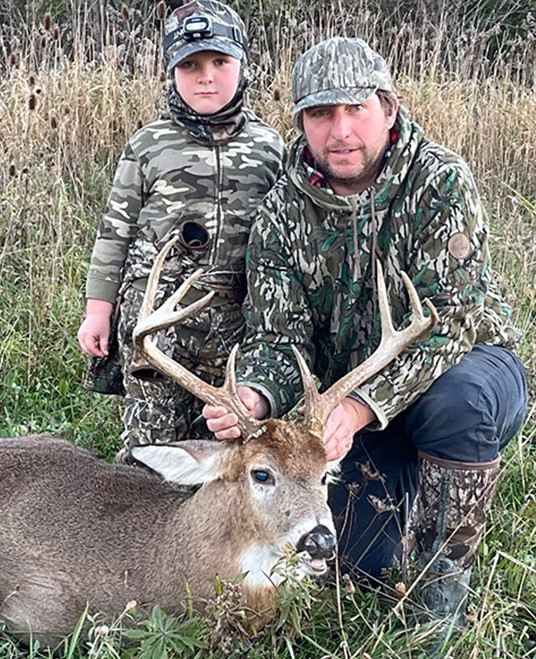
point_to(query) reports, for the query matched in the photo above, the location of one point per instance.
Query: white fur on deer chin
(258, 563)
(263, 570)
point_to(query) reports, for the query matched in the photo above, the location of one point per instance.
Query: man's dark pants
(468, 415)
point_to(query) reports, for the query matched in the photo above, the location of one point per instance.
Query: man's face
(348, 142)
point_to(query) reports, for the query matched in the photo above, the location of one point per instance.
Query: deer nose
(318, 543)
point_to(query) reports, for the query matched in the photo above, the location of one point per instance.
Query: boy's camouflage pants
(162, 411)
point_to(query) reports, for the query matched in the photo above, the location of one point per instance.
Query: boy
(197, 174)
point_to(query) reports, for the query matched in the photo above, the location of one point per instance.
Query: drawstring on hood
(358, 274)
(373, 222)
(373, 236)
(373, 245)
(357, 253)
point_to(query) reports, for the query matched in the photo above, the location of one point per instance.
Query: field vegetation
(76, 79)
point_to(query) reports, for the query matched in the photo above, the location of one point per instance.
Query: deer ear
(191, 462)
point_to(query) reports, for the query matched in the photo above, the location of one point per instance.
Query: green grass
(41, 390)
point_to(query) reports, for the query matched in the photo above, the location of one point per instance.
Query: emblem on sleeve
(459, 246)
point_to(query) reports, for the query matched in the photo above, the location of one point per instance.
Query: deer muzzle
(316, 547)
(318, 543)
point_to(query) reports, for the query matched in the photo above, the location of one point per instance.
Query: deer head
(287, 440)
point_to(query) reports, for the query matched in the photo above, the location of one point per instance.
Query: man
(365, 185)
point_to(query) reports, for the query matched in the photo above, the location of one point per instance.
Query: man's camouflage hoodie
(311, 266)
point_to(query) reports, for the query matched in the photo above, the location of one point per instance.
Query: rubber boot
(445, 529)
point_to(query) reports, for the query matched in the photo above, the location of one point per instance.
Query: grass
(65, 116)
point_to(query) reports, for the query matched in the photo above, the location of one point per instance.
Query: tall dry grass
(64, 121)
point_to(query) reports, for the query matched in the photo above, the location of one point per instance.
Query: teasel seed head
(161, 10)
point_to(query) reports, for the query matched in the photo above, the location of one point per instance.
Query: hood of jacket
(210, 129)
(361, 219)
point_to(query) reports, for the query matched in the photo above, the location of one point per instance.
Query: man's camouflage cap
(203, 25)
(338, 71)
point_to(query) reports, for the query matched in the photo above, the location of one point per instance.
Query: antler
(393, 342)
(151, 321)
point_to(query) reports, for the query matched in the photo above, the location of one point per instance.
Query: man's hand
(95, 330)
(224, 423)
(345, 420)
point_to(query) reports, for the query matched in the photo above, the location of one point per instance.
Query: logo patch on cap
(459, 246)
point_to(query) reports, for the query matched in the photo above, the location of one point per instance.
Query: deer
(79, 534)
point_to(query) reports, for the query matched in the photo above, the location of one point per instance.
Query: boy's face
(207, 80)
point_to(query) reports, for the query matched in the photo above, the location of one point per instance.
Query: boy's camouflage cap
(336, 72)
(226, 32)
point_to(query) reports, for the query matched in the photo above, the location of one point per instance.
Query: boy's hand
(95, 329)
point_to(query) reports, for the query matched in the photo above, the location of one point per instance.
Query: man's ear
(391, 117)
(191, 462)
(298, 121)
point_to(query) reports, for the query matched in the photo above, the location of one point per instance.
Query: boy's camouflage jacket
(311, 277)
(165, 178)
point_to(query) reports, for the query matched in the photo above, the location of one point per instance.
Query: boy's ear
(192, 462)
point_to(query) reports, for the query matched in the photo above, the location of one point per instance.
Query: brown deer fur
(76, 530)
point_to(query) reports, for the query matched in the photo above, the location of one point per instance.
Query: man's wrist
(96, 307)
(363, 413)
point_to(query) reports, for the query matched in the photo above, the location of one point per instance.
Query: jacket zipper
(218, 202)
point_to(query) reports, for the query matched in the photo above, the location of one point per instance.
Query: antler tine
(151, 320)
(393, 342)
(313, 400)
(165, 316)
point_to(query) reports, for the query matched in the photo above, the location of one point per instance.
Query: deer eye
(324, 479)
(262, 476)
